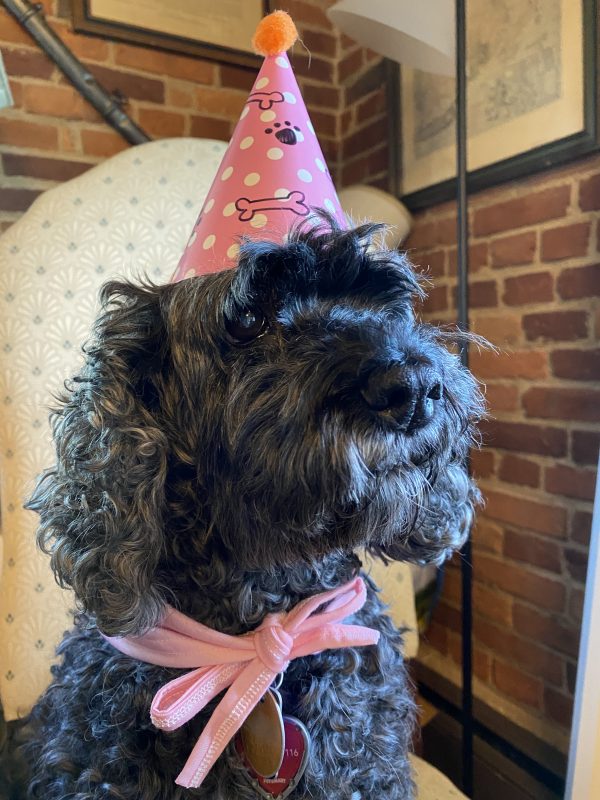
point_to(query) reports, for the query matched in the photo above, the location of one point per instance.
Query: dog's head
(274, 413)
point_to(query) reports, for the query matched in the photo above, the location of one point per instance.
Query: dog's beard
(407, 496)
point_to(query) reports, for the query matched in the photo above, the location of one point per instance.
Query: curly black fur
(232, 479)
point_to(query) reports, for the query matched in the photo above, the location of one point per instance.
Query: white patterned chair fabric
(129, 217)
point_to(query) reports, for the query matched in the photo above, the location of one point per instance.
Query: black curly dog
(230, 443)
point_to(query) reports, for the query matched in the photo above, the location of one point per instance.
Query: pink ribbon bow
(248, 664)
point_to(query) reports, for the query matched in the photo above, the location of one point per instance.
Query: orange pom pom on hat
(273, 172)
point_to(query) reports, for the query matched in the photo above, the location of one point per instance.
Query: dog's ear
(101, 505)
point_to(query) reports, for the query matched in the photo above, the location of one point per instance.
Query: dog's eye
(246, 325)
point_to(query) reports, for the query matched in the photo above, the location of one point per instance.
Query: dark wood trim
(496, 777)
(84, 22)
(487, 718)
(541, 158)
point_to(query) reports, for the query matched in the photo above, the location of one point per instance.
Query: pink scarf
(248, 664)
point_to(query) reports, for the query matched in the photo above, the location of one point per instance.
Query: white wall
(583, 777)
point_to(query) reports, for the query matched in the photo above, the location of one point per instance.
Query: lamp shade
(418, 34)
(362, 203)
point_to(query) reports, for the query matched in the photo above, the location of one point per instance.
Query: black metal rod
(462, 235)
(32, 18)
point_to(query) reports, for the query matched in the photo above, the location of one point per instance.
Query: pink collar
(247, 663)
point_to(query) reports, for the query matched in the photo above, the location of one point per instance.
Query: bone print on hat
(271, 176)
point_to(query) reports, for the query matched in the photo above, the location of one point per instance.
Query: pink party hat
(273, 172)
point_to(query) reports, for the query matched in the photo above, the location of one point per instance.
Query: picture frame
(568, 123)
(205, 29)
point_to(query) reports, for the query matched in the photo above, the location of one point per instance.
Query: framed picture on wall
(532, 99)
(220, 31)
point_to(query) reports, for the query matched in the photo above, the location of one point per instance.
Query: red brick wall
(534, 285)
(52, 134)
(364, 119)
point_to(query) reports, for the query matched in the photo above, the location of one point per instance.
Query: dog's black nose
(407, 395)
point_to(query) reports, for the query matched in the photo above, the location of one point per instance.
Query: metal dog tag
(262, 736)
(295, 759)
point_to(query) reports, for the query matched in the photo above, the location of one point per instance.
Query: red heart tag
(295, 759)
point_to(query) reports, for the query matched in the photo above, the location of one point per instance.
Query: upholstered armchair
(130, 216)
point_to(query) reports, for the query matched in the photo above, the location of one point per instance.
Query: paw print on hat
(273, 172)
(286, 133)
